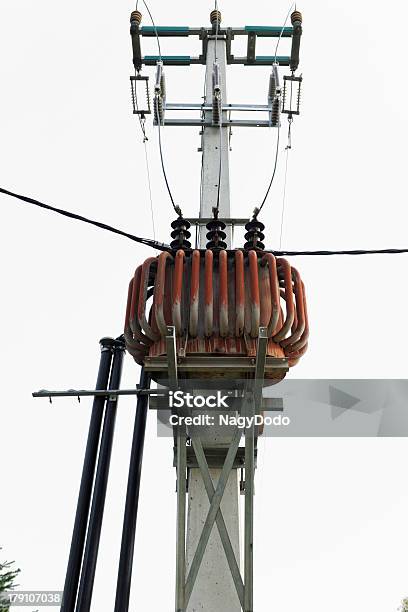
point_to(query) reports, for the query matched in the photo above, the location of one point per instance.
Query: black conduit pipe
(85, 489)
(101, 482)
(132, 500)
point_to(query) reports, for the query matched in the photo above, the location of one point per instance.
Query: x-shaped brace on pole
(215, 515)
(219, 519)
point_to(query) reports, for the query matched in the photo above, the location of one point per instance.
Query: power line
(273, 173)
(355, 252)
(154, 27)
(283, 27)
(147, 241)
(150, 190)
(277, 142)
(176, 208)
(284, 198)
(165, 247)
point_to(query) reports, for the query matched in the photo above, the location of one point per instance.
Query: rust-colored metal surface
(217, 301)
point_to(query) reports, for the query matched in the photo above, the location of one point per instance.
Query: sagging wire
(288, 149)
(257, 210)
(165, 247)
(293, 5)
(150, 189)
(156, 102)
(146, 241)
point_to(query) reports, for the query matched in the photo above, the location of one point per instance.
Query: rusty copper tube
(290, 307)
(177, 291)
(159, 287)
(141, 312)
(208, 294)
(254, 293)
(239, 294)
(275, 293)
(223, 292)
(194, 293)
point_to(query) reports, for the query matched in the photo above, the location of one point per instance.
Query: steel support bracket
(172, 355)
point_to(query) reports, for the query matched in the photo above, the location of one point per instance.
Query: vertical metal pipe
(181, 520)
(249, 508)
(132, 500)
(85, 489)
(101, 482)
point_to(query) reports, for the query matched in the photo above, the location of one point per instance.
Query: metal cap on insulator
(216, 235)
(136, 18)
(180, 234)
(254, 235)
(296, 18)
(215, 18)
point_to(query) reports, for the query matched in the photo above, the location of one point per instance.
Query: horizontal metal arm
(207, 123)
(177, 31)
(97, 393)
(171, 106)
(187, 60)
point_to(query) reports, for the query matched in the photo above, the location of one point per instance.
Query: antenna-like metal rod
(85, 489)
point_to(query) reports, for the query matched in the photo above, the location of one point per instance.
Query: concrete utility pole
(214, 589)
(215, 138)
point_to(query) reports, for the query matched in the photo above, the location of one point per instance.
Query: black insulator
(276, 107)
(296, 18)
(254, 235)
(216, 235)
(180, 234)
(136, 18)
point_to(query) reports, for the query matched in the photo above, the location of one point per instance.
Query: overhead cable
(147, 241)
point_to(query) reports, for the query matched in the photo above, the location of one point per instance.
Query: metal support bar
(204, 220)
(100, 487)
(132, 500)
(251, 47)
(106, 393)
(224, 123)
(191, 106)
(85, 489)
(261, 354)
(171, 355)
(253, 406)
(222, 528)
(265, 31)
(187, 60)
(249, 508)
(212, 513)
(181, 602)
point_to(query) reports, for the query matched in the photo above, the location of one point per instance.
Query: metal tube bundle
(100, 487)
(85, 490)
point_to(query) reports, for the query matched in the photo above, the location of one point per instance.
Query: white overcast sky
(331, 522)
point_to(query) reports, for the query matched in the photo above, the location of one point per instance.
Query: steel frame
(185, 585)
